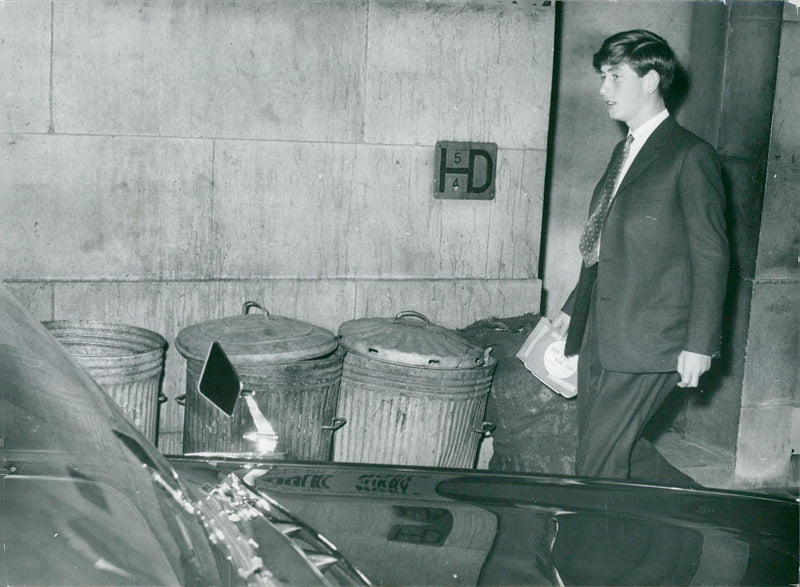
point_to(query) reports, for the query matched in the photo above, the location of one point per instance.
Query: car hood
(76, 532)
(416, 526)
(84, 495)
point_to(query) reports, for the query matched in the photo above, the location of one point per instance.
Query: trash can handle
(485, 430)
(181, 399)
(161, 397)
(412, 313)
(247, 305)
(335, 425)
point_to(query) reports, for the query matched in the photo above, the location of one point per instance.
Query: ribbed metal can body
(126, 361)
(410, 415)
(292, 369)
(297, 398)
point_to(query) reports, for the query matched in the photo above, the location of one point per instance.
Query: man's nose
(605, 88)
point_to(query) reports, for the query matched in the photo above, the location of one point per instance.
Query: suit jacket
(661, 276)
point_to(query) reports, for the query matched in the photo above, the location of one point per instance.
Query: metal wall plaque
(464, 171)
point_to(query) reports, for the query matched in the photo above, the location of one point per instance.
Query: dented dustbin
(412, 392)
(293, 369)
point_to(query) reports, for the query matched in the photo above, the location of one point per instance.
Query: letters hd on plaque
(464, 171)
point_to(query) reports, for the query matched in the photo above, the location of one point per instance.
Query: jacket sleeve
(702, 199)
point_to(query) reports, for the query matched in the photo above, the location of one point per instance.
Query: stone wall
(162, 162)
(771, 387)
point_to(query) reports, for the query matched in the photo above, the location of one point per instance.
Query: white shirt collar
(641, 134)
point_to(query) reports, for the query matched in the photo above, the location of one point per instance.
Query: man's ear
(651, 81)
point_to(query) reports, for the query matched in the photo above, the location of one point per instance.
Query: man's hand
(691, 366)
(561, 324)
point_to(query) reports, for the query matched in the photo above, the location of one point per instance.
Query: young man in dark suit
(645, 315)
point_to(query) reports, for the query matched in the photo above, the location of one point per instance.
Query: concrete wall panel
(762, 456)
(709, 32)
(277, 68)
(25, 66)
(463, 226)
(744, 180)
(515, 230)
(36, 298)
(104, 207)
(321, 210)
(770, 388)
(773, 345)
(451, 303)
(744, 119)
(279, 208)
(167, 307)
(459, 71)
(779, 247)
(711, 418)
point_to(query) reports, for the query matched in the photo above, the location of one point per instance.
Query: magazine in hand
(543, 355)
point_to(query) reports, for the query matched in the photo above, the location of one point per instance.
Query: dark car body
(87, 500)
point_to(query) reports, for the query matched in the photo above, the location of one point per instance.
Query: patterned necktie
(590, 239)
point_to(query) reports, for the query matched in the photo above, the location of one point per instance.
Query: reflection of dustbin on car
(412, 392)
(293, 369)
(126, 361)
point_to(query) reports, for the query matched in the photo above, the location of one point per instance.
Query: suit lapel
(650, 151)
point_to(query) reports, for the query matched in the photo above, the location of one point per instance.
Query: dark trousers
(613, 409)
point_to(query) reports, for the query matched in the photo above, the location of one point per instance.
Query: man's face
(624, 94)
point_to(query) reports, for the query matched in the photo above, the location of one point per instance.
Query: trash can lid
(411, 339)
(258, 338)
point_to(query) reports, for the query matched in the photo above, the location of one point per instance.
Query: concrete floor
(701, 464)
(707, 467)
(713, 469)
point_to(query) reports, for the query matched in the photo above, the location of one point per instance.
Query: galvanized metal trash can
(292, 367)
(126, 361)
(412, 392)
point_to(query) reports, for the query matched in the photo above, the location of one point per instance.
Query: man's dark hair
(642, 51)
